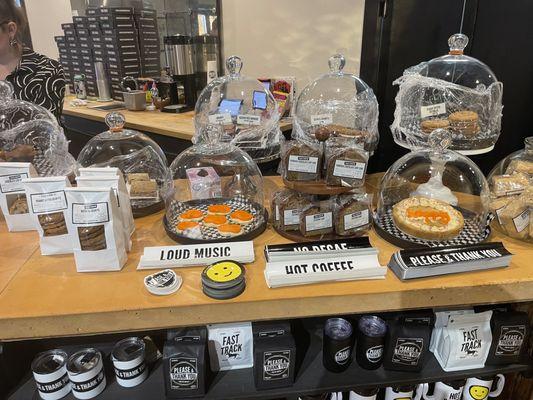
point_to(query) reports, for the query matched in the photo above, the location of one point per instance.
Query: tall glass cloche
(217, 195)
(433, 197)
(244, 108)
(339, 103)
(140, 159)
(455, 92)
(511, 186)
(30, 133)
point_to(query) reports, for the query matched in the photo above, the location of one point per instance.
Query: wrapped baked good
(514, 218)
(345, 165)
(497, 204)
(287, 206)
(351, 214)
(301, 161)
(506, 185)
(316, 219)
(521, 166)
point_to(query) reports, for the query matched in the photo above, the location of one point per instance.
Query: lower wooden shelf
(311, 378)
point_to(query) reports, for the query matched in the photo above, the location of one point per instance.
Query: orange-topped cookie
(241, 217)
(230, 229)
(182, 226)
(215, 220)
(431, 215)
(219, 209)
(192, 215)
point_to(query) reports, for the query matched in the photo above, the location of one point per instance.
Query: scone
(505, 185)
(429, 125)
(428, 219)
(464, 122)
(523, 166)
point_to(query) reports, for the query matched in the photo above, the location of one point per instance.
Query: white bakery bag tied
(465, 342)
(230, 346)
(123, 196)
(13, 197)
(47, 204)
(98, 242)
(112, 182)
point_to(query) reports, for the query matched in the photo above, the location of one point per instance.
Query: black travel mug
(370, 342)
(337, 344)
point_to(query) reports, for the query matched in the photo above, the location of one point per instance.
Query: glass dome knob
(234, 65)
(440, 139)
(336, 63)
(457, 43)
(115, 121)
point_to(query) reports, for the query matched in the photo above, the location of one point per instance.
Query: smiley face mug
(403, 393)
(479, 388)
(444, 390)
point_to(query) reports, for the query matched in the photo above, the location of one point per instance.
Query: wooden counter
(48, 298)
(180, 126)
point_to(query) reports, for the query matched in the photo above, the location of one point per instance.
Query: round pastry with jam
(426, 218)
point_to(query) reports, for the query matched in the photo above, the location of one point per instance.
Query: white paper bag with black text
(230, 346)
(47, 204)
(12, 196)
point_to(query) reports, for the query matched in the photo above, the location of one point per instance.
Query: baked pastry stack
(462, 122)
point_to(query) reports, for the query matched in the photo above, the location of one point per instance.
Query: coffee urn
(180, 59)
(206, 59)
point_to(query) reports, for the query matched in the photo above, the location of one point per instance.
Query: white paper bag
(47, 203)
(13, 200)
(114, 183)
(230, 346)
(98, 242)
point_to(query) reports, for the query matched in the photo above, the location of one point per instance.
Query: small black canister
(337, 344)
(370, 342)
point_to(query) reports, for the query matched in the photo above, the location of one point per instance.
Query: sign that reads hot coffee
(196, 254)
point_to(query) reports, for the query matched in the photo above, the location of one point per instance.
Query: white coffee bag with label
(13, 200)
(98, 242)
(465, 342)
(123, 195)
(113, 182)
(230, 346)
(47, 204)
(441, 321)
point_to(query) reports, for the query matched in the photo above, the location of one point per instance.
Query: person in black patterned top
(35, 78)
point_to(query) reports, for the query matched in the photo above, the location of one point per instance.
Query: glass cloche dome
(454, 92)
(140, 159)
(218, 193)
(245, 109)
(511, 186)
(339, 102)
(433, 197)
(30, 133)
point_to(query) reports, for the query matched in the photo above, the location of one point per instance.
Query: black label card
(408, 351)
(276, 365)
(183, 373)
(511, 340)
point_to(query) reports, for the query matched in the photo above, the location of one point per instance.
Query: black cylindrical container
(370, 342)
(337, 344)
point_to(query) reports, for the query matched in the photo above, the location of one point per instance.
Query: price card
(321, 119)
(247, 119)
(220, 118)
(433, 110)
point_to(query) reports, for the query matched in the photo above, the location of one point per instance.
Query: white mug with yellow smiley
(479, 388)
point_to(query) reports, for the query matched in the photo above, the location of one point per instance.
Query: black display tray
(139, 212)
(311, 378)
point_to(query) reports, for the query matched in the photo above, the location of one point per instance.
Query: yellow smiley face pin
(479, 392)
(223, 274)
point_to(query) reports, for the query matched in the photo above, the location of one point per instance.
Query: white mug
(398, 394)
(480, 388)
(357, 396)
(443, 391)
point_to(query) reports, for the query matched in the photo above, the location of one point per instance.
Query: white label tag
(433, 110)
(322, 119)
(211, 71)
(303, 164)
(349, 169)
(356, 219)
(196, 254)
(277, 213)
(318, 221)
(220, 118)
(48, 202)
(498, 213)
(91, 213)
(247, 119)
(12, 183)
(521, 222)
(291, 217)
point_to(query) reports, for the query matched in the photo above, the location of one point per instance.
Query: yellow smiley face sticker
(478, 392)
(224, 271)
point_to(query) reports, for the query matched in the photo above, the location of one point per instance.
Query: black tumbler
(337, 344)
(370, 342)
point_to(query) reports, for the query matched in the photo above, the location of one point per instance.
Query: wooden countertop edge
(167, 317)
(144, 128)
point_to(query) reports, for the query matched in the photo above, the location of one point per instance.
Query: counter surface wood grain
(180, 126)
(48, 298)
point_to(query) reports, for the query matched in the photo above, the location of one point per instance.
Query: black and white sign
(306, 164)
(433, 110)
(349, 169)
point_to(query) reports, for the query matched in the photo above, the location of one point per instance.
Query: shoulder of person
(40, 63)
